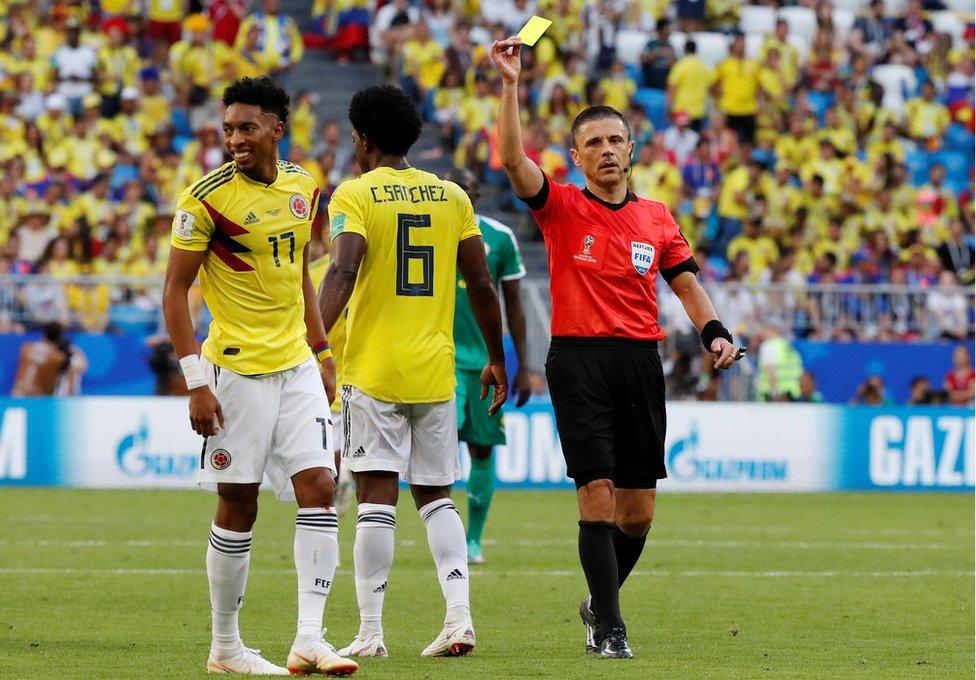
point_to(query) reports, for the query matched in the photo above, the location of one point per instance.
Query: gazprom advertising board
(147, 442)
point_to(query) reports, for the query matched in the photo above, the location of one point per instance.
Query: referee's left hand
(494, 376)
(726, 353)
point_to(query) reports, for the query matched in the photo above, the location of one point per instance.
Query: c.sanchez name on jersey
(400, 343)
(251, 278)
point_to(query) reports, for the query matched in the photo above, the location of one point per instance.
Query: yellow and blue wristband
(322, 351)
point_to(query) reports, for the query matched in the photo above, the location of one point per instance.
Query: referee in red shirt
(606, 247)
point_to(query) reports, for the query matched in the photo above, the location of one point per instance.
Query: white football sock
(316, 554)
(445, 536)
(373, 557)
(228, 557)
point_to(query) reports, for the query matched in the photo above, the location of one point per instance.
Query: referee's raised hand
(494, 376)
(505, 55)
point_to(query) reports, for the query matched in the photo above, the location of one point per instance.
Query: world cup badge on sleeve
(641, 256)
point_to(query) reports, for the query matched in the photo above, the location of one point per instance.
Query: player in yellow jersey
(399, 238)
(257, 394)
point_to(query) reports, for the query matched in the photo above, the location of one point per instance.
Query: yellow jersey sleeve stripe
(209, 176)
(207, 187)
(290, 167)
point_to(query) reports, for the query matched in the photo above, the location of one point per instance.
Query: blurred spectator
(780, 367)
(226, 17)
(947, 308)
(51, 366)
(680, 139)
(960, 382)
(808, 389)
(956, 255)
(921, 391)
(736, 88)
(165, 366)
(658, 57)
(688, 83)
(871, 393)
(75, 66)
(164, 19)
(279, 43)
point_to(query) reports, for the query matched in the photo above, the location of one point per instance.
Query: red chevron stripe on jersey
(223, 243)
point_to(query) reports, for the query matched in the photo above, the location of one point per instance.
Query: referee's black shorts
(608, 395)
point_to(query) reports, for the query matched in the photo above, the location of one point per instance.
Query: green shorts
(475, 426)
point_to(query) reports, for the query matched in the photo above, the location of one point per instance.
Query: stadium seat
(712, 47)
(899, 84)
(802, 47)
(854, 6)
(957, 166)
(963, 6)
(897, 7)
(754, 42)
(677, 41)
(630, 44)
(820, 102)
(757, 19)
(655, 106)
(843, 21)
(947, 21)
(959, 139)
(802, 21)
(918, 164)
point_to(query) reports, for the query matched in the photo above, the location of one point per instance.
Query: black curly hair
(386, 116)
(263, 92)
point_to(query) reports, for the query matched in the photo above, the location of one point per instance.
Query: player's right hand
(204, 407)
(509, 66)
(494, 376)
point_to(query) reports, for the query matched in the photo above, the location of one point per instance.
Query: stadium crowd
(815, 143)
(107, 111)
(802, 144)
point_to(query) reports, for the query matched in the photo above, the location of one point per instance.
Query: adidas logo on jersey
(455, 575)
(251, 219)
(359, 453)
(380, 589)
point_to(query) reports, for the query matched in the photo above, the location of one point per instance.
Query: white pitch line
(505, 573)
(798, 545)
(524, 542)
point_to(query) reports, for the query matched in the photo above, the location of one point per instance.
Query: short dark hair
(592, 113)
(386, 116)
(691, 47)
(262, 92)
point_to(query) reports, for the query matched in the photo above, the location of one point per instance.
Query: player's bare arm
(317, 338)
(515, 315)
(701, 312)
(526, 177)
(484, 303)
(340, 278)
(181, 272)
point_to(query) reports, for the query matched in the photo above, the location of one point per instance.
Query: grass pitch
(111, 584)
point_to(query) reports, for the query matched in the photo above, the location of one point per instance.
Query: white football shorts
(417, 441)
(276, 424)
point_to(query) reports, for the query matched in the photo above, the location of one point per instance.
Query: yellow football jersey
(337, 334)
(251, 277)
(400, 325)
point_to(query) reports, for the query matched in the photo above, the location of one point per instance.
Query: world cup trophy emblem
(588, 242)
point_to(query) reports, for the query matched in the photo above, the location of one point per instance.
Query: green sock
(481, 486)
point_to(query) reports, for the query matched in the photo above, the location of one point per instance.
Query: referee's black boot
(614, 645)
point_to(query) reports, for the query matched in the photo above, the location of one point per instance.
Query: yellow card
(533, 30)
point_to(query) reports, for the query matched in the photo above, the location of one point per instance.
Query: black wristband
(714, 329)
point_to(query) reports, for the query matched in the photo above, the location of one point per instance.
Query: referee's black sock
(600, 567)
(628, 550)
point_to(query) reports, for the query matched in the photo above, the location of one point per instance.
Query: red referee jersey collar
(631, 197)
